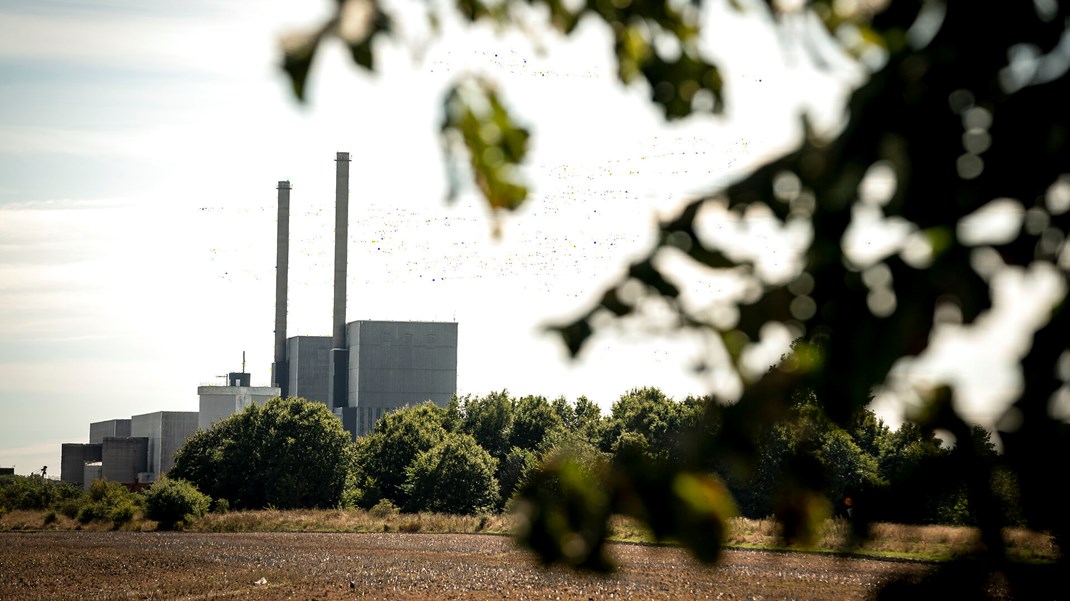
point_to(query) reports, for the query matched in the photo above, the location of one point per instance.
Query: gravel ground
(389, 566)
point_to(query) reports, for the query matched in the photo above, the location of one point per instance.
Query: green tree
(288, 453)
(870, 433)
(489, 419)
(564, 411)
(172, 502)
(960, 112)
(533, 420)
(399, 437)
(513, 470)
(588, 421)
(647, 418)
(456, 476)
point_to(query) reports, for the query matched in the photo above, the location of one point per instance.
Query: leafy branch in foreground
(962, 118)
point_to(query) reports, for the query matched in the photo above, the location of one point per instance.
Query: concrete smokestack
(341, 247)
(280, 371)
(339, 365)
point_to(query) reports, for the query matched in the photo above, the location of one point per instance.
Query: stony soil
(122, 565)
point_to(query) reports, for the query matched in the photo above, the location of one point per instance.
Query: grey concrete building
(390, 364)
(111, 427)
(73, 457)
(398, 363)
(123, 458)
(364, 368)
(166, 432)
(220, 402)
(94, 470)
(307, 357)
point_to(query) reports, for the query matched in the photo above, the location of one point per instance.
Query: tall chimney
(339, 365)
(280, 370)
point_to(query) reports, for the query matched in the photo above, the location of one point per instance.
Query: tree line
(498, 452)
(480, 453)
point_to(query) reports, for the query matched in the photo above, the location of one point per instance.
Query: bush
(34, 492)
(123, 511)
(171, 502)
(108, 501)
(382, 509)
(70, 507)
(88, 513)
(221, 506)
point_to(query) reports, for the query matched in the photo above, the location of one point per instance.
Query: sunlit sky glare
(141, 144)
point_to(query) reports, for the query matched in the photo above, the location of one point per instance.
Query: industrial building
(124, 459)
(390, 364)
(142, 449)
(363, 370)
(220, 402)
(166, 432)
(73, 458)
(111, 427)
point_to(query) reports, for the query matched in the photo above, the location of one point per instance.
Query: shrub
(33, 492)
(171, 502)
(221, 505)
(70, 507)
(88, 512)
(108, 501)
(122, 511)
(383, 509)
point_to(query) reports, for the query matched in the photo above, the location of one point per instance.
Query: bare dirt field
(135, 565)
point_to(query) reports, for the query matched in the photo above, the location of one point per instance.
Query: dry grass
(895, 540)
(349, 520)
(38, 520)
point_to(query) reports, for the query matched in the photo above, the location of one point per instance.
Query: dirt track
(119, 565)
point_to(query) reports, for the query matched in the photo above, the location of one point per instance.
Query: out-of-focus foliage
(654, 42)
(477, 124)
(962, 114)
(289, 453)
(952, 122)
(172, 502)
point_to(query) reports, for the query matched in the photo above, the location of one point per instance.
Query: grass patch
(349, 520)
(922, 543)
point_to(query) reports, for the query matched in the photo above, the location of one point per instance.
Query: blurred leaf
(495, 144)
(298, 51)
(564, 513)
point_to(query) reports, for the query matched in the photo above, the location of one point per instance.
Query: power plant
(361, 371)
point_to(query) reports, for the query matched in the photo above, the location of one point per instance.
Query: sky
(140, 148)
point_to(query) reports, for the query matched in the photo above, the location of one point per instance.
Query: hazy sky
(141, 143)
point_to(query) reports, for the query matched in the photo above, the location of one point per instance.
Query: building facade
(166, 432)
(389, 364)
(220, 402)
